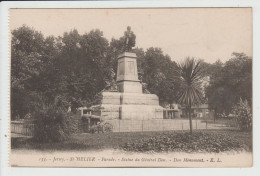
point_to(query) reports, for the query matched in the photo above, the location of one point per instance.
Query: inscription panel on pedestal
(130, 68)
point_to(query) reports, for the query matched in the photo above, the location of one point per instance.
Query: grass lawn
(117, 140)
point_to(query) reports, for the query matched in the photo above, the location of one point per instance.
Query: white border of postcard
(4, 95)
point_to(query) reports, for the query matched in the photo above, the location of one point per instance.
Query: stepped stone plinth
(129, 103)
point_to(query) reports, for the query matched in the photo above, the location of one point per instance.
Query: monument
(128, 104)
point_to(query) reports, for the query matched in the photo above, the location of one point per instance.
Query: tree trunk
(190, 119)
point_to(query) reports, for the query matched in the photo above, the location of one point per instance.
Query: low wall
(155, 125)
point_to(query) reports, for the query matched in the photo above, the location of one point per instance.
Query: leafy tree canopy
(70, 70)
(229, 82)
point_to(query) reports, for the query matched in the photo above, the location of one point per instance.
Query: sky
(204, 33)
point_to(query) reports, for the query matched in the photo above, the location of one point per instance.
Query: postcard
(131, 87)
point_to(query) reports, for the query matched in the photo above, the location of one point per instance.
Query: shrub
(243, 115)
(184, 142)
(53, 124)
(102, 127)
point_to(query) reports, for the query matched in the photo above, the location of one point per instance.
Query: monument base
(140, 112)
(129, 105)
(116, 105)
(130, 87)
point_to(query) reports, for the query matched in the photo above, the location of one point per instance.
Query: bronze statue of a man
(129, 39)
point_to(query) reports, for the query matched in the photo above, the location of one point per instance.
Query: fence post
(119, 126)
(182, 125)
(206, 124)
(196, 124)
(142, 125)
(26, 129)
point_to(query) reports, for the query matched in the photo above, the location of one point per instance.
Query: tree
(189, 74)
(28, 59)
(64, 71)
(82, 67)
(229, 82)
(158, 70)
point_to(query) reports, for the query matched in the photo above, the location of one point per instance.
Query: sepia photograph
(131, 87)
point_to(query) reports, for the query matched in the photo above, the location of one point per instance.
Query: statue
(129, 39)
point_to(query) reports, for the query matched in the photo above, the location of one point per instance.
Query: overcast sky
(204, 33)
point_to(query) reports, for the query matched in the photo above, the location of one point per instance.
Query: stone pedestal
(129, 87)
(127, 75)
(129, 103)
